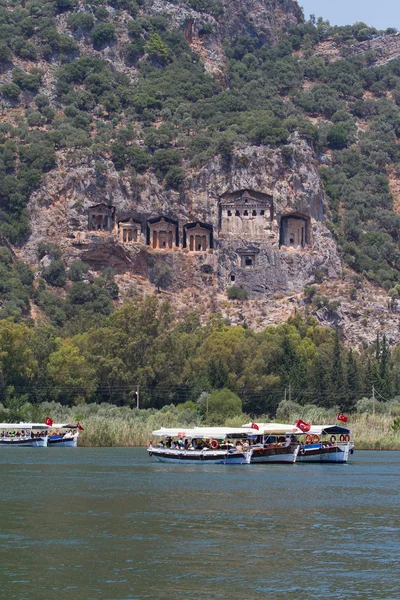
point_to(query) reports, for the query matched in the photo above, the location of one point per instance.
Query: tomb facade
(101, 217)
(162, 233)
(128, 231)
(197, 237)
(245, 214)
(295, 230)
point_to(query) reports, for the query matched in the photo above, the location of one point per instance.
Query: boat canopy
(207, 432)
(282, 428)
(36, 426)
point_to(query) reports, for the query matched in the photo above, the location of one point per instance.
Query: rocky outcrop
(246, 247)
(382, 49)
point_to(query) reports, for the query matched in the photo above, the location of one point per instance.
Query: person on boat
(173, 445)
(150, 444)
(186, 444)
(246, 445)
(239, 446)
(160, 444)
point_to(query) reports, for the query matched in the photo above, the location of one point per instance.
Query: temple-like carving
(245, 214)
(295, 230)
(197, 237)
(101, 217)
(128, 231)
(162, 233)
(248, 257)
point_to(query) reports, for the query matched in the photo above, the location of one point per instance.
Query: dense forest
(172, 116)
(100, 357)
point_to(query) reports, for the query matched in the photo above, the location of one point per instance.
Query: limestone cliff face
(256, 221)
(262, 19)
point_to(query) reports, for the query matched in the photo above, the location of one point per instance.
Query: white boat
(274, 444)
(215, 445)
(326, 444)
(322, 443)
(63, 435)
(13, 435)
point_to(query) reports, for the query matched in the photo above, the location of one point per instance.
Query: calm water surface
(92, 523)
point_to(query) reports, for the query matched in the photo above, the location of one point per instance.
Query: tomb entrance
(295, 230)
(162, 233)
(101, 217)
(197, 237)
(245, 214)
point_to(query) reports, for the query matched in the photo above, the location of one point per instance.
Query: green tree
(223, 404)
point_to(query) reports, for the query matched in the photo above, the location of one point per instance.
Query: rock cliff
(246, 248)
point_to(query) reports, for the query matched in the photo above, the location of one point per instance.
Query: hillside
(211, 149)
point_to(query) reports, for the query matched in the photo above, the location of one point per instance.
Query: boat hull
(274, 454)
(186, 457)
(24, 443)
(61, 442)
(319, 453)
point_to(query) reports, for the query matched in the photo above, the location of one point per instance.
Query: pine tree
(377, 347)
(320, 383)
(384, 369)
(352, 377)
(338, 387)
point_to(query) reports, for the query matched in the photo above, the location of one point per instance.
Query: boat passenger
(150, 444)
(239, 446)
(186, 444)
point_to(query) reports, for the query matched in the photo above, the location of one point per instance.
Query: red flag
(255, 426)
(303, 426)
(342, 418)
(49, 422)
(79, 426)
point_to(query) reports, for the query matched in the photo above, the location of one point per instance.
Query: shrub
(55, 273)
(81, 22)
(77, 270)
(10, 91)
(102, 34)
(237, 293)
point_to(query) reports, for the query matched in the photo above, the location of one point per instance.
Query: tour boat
(63, 435)
(22, 434)
(211, 445)
(336, 447)
(273, 444)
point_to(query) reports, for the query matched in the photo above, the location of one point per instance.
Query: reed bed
(108, 425)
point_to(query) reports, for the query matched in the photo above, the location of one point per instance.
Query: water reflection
(110, 524)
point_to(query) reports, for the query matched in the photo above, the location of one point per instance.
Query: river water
(109, 523)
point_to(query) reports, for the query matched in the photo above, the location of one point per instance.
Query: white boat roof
(281, 428)
(36, 426)
(204, 432)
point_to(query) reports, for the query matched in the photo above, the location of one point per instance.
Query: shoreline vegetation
(106, 425)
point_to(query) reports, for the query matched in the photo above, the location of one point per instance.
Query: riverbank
(108, 425)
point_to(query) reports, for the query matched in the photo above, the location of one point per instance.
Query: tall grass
(108, 425)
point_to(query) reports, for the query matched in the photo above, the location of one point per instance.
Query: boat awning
(282, 428)
(206, 432)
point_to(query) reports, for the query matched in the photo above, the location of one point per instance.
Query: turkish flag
(303, 426)
(79, 426)
(49, 422)
(255, 426)
(342, 418)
